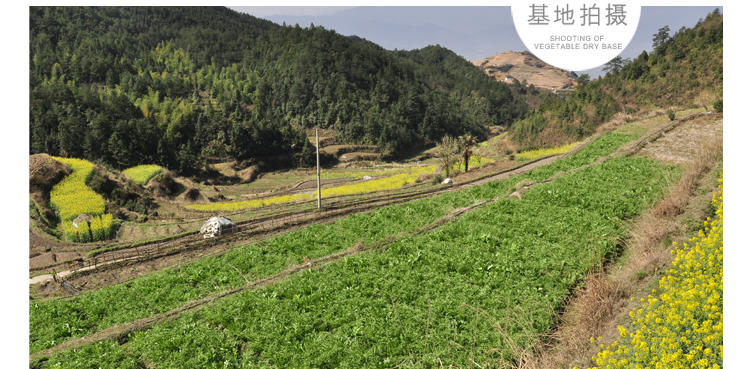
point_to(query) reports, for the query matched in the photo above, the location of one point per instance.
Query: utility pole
(317, 158)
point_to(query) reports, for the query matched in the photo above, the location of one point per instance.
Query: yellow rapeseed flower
(675, 326)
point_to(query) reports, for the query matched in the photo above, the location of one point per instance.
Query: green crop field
(605, 145)
(58, 320)
(438, 295)
(55, 321)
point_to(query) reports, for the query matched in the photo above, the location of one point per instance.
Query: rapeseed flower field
(680, 324)
(142, 173)
(71, 197)
(538, 153)
(379, 184)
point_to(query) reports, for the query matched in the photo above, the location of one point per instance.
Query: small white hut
(217, 226)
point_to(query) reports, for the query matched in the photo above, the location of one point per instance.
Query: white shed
(217, 226)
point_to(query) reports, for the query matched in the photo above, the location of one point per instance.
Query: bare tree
(466, 141)
(448, 151)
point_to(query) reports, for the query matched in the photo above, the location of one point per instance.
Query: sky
(472, 32)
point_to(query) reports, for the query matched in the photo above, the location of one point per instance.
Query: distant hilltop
(521, 66)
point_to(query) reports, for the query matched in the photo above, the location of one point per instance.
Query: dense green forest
(178, 86)
(684, 69)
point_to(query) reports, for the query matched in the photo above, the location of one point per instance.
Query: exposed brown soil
(165, 185)
(511, 66)
(681, 145)
(41, 246)
(45, 172)
(338, 150)
(359, 156)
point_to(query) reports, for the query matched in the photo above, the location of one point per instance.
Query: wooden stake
(317, 158)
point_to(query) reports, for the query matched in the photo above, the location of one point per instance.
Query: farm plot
(381, 184)
(357, 174)
(58, 320)
(476, 290)
(605, 145)
(72, 197)
(55, 321)
(142, 173)
(538, 153)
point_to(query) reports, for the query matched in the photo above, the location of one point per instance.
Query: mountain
(524, 67)
(178, 86)
(683, 70)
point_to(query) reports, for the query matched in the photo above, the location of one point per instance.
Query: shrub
(437, 179)
(719, 105)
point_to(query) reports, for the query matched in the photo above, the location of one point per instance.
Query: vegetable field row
(55, 321)
(472, 290)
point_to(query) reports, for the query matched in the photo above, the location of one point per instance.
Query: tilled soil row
(121, 332)
(114, 259)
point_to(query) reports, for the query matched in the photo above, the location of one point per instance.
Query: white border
(15, 142)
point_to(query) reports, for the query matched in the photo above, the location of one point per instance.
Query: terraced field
(72, 197)
(428, 282)
(431, 263)
(185, 285)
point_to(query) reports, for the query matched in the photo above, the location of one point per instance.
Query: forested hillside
(683, 69)
(179, 86)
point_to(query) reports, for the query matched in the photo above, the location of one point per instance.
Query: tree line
(181, 86)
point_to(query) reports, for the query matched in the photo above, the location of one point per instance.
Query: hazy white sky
(267, 11)
(473, 32)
